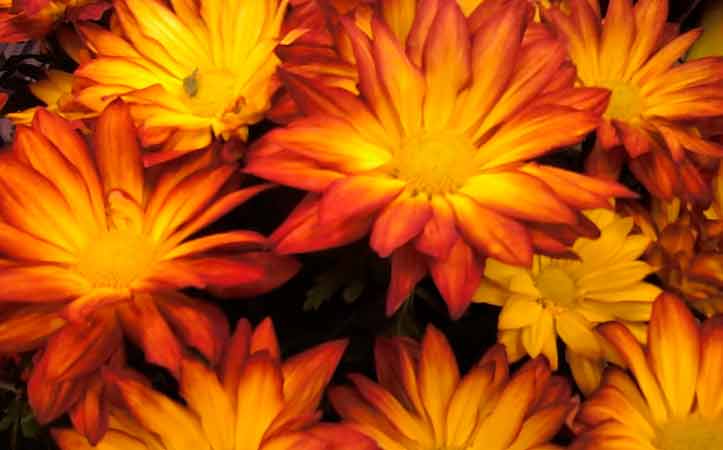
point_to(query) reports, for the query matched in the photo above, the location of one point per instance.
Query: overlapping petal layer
(95, 246)
(432, 157)
(252, 401)
(23, 20)
(654, 101)
(422, 402)
(673, 398)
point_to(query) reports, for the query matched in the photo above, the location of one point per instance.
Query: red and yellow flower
(674, 399)
(23, 20)
(567, 297)
(95, 246)
(190, 71)
(433, 155)
(655, 101)
(421, 401)
(252, 401)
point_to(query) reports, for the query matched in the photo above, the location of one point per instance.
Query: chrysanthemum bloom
(653, 98)
(674, 399)
(190, 71)
(94, 246)
(687, 248)
(423, 403)
(568, 297)
(252, 401)
(711, 42)
(432, 156)
(23, 20)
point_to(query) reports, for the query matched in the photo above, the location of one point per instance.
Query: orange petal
(356, 196)
(447, 63)
(395, 360)
(518, 195)
(301, 231)
(199, 324)
(49, 399)
(264, 339)
(90, 414)
(672, 326)
(205, 396)
(240, 241)
(635, 140)
(234, 358)
(117, 152)
(175, 425)
(629, 349)
(408, 268)
(342, 437)
(438, 377)
(491, 233)
(618, 32)
(440, 233)
(658, 173)
(710, 383)
(457, 277)
(260, 399)
(27, 327)
(401, 221)
(18, 244)
(146, 326)
(41, 284)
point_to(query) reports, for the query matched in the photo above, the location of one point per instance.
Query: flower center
(626, 102)
(556, 286)
(208, 92)
(116, 259)
(691, 434)
(435, 163)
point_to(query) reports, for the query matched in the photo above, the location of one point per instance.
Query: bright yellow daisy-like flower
(23, 20)
(189, 71)
(94, 246)
(674, 399)
(568, 297)
(653, 97)
(433, 155)
(423, 403)
(253, 401)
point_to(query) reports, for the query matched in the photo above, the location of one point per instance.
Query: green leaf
(353, 291)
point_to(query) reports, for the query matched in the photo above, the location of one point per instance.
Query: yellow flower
(674, 399)
(423, 403)
(568, 297)
(189, 71)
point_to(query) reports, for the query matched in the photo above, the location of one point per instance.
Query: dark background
(338, 293)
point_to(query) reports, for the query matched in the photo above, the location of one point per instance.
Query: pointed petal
(355, 196)
(457, 277)
(260, 399)
(401, 221)
(408, 268)
(438, 377)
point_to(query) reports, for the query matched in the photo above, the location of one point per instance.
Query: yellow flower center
(556, 286)
(626, 102)
(435, 163)
(209, 92)
(691, 434)
(116, 259)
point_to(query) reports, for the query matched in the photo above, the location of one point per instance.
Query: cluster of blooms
(418, 123)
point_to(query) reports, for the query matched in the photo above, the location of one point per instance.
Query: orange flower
(252, 401)
(432, 156)
(91, 243)
(190, 72)
(422, 403)
(23, 20)
(653, 99)
(674, 400)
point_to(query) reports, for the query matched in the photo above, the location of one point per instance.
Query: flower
(190, 72)
(24, 20)
(653, 99)
(673, 399)
(568, 297)
(95, 246)
(252, 401)
(433, 158)
(421, 402)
